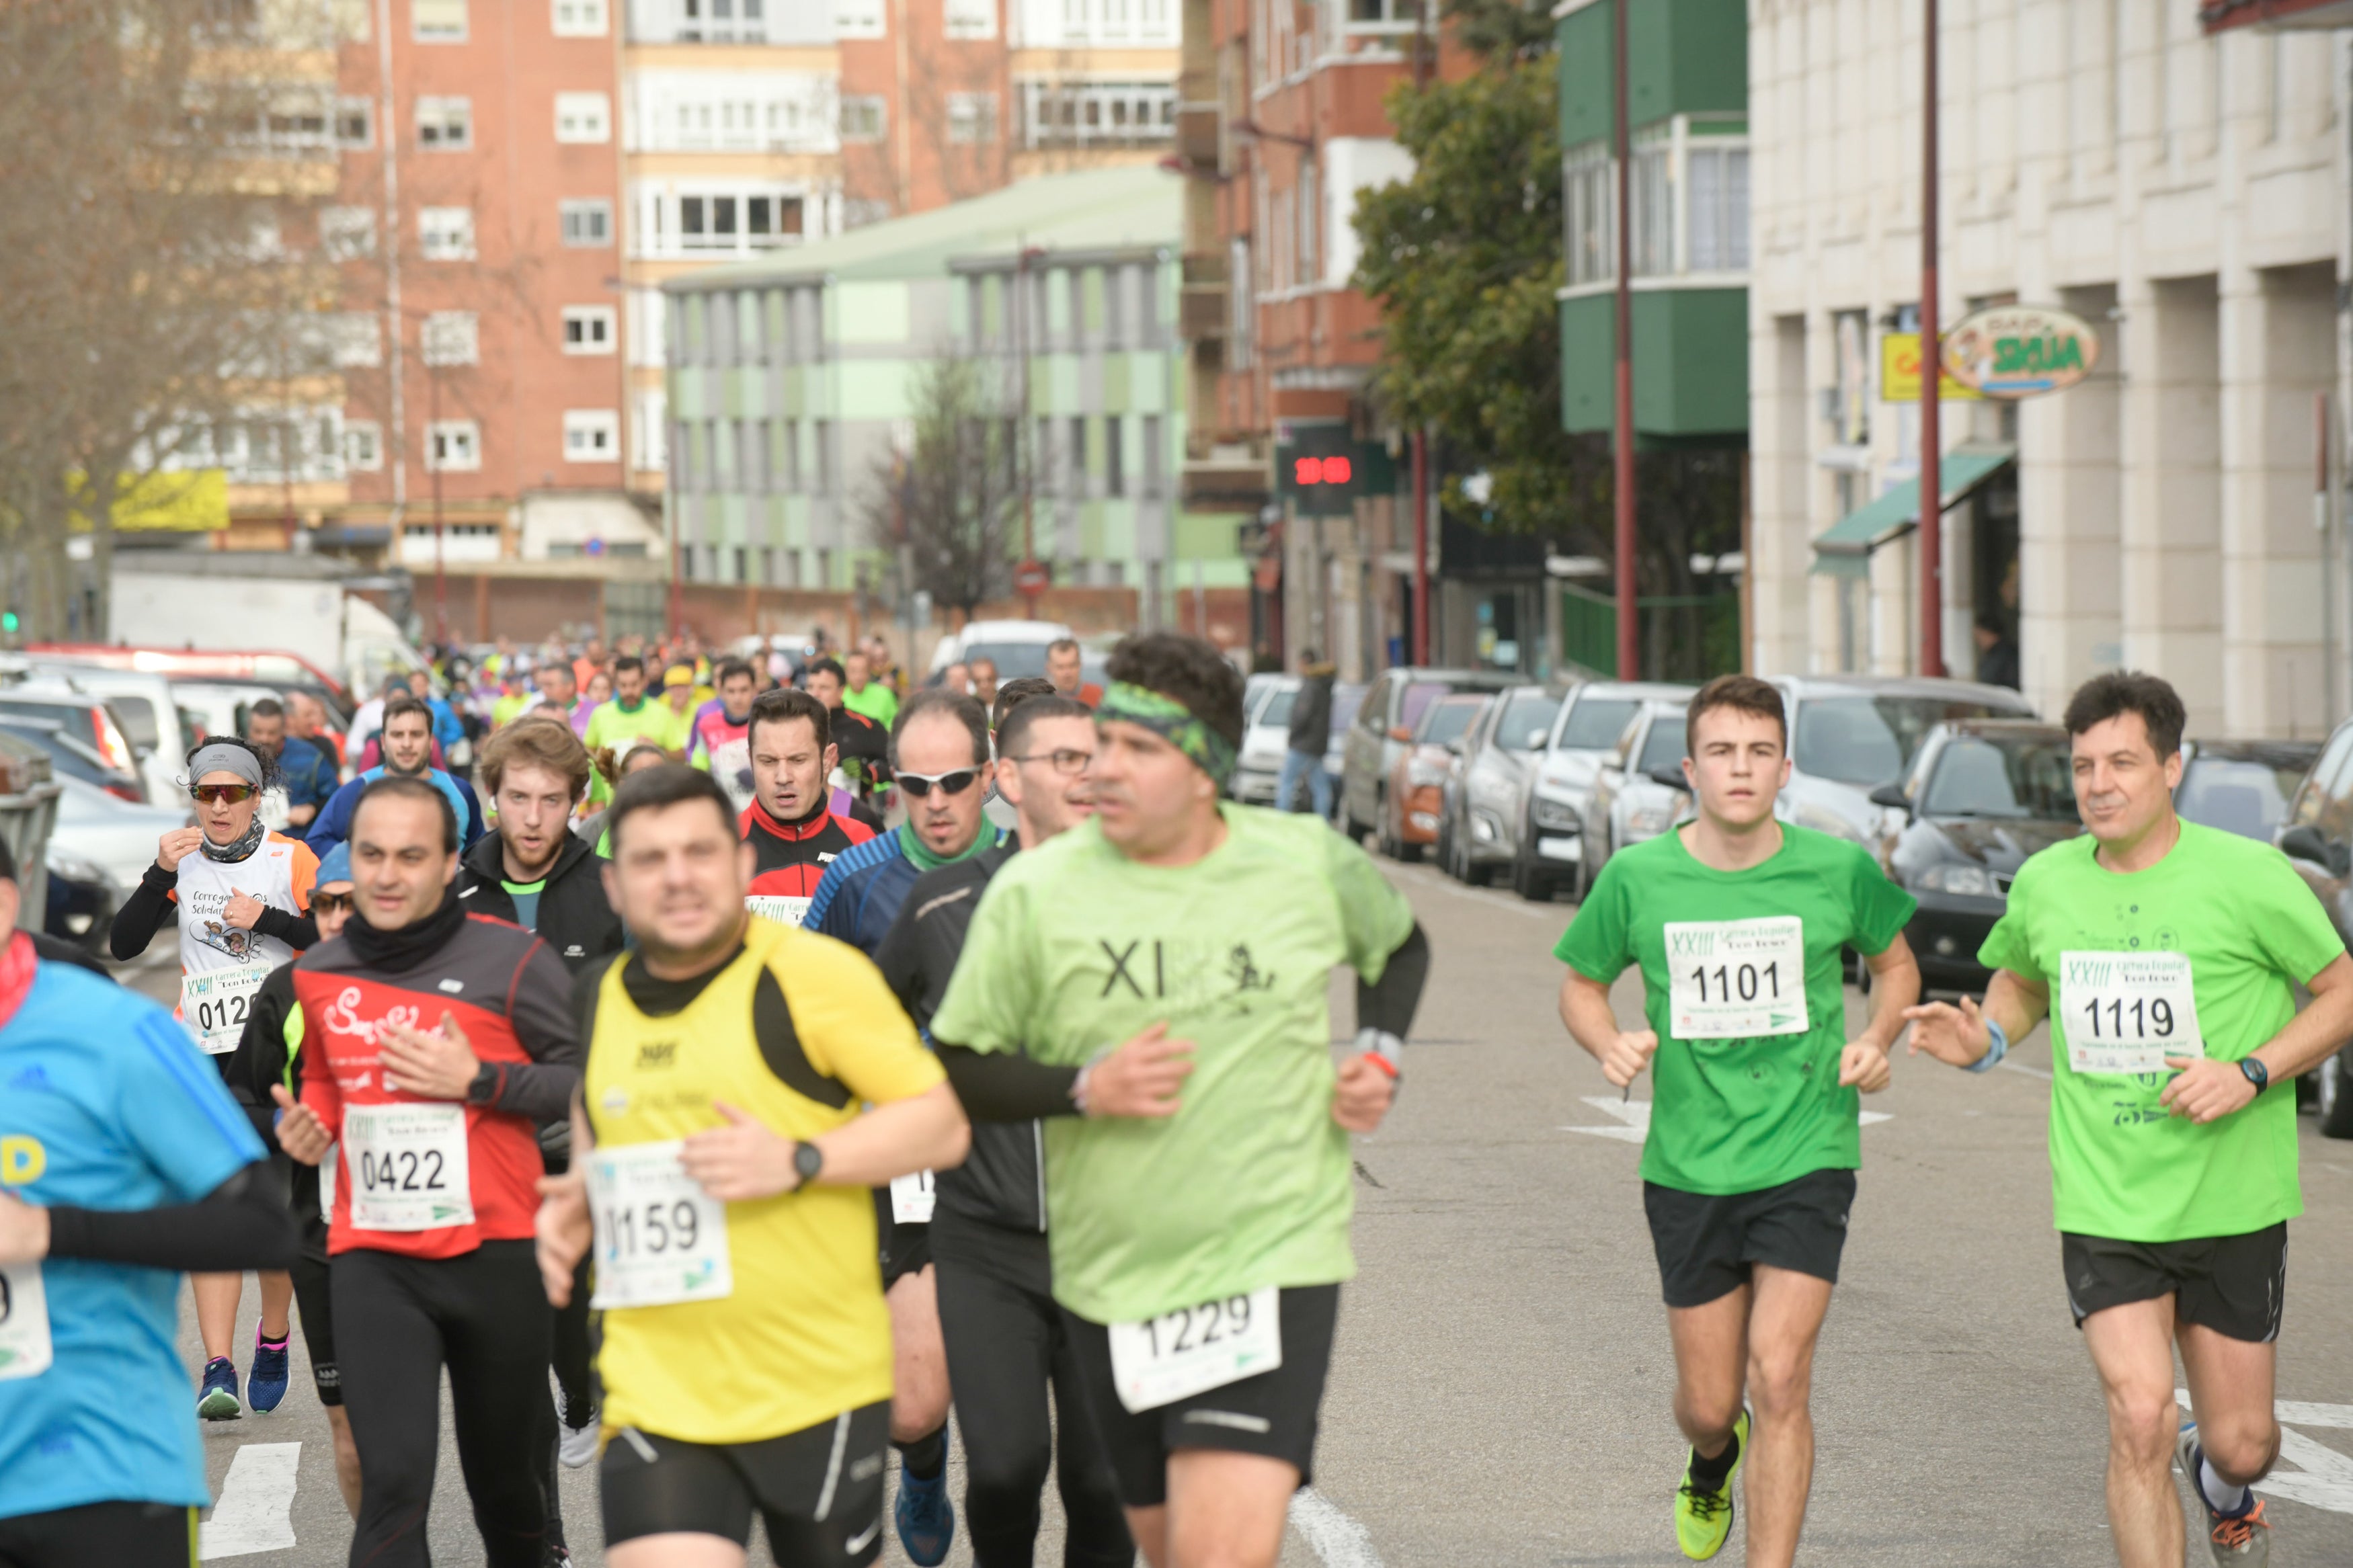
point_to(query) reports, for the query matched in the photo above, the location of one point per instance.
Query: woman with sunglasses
(243, 897)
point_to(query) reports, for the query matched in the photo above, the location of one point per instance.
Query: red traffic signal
(1332, 470)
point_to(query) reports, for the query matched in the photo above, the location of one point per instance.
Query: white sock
(2221, 1495)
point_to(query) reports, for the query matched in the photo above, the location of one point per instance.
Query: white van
(1016, 648)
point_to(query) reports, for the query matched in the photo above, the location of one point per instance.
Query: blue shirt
(310, 775)
(859, 897)
(105, 1103)
(333, 823)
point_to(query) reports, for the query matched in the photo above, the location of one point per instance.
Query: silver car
(1633, 800)
(1486, 794)
(1549, 846)
(1266, 737)
(1850, 733)
(1383, 726)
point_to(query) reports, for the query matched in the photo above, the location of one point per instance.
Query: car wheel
(1528, 882)
(1443, 855)
(2336, 1076)
(1473, 873)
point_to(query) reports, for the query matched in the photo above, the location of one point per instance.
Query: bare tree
(948, 500)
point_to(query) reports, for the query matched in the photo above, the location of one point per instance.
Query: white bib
(23, 1322)
(777, 907)
(661, 1238)
(1735, 980)
(1194, 1349)
(409, 1167)
(213, 1004)
(912, 1198)
(2126, 1012)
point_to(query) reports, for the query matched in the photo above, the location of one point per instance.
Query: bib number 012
(1156, 1360)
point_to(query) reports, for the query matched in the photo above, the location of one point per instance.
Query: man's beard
(392, 765)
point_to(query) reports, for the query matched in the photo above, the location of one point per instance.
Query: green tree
(947, 502)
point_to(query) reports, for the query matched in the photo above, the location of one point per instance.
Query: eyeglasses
(920, 785)
(1064, 760)
(329, 903)
(232, 793)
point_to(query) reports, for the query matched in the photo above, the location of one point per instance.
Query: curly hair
(1187, 669)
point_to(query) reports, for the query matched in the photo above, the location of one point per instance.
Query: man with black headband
(1197, 935)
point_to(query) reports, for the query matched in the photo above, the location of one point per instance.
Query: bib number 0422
(407, 1166)
(1156, 1360)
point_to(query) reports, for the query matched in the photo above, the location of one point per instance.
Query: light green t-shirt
(877, 702)
(2122, 1166)
(1074, 947)
(1738, 1113)
(611, 725)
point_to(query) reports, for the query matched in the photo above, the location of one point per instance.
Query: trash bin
(28, 810)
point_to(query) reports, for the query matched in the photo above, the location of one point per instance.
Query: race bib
(23, 1322)
(275, 811)
(773, 906)
(1194, 1349)
(2126, 1012)
(1735, 980)
(730, 766)
(407, 1166)
(661, 1238)
(911, 1198)
(213, 1004)
(327, 1180)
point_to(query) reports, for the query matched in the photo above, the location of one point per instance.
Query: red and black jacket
(792, 857)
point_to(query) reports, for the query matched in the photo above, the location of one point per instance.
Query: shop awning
(1844, 549)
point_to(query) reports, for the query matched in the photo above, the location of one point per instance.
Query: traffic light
(8, 622)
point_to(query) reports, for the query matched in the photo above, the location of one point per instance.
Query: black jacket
(1311, 713)
(574, 918)
(1002, 1181)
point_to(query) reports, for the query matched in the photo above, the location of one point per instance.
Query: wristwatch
(808, 1161)
(485, 1084)
(2257, 1074)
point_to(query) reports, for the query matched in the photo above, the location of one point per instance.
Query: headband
(1173, 722)
(219, 757)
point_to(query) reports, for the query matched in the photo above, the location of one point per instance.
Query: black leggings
(118, 1535)
(1005, 1345)
(398, 1320)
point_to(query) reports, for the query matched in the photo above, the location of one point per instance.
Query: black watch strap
(808, 1161)
(485, 1085)
(2256, 1073)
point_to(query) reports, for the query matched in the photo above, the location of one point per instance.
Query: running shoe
(2236, 1540)
(925, 1517)
(575, 1446)
(265, 1385)
(218, 1400)
(1704, 1518)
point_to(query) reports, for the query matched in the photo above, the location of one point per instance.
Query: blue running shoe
(265, 1385)
(925, 1517)
(218, 1401)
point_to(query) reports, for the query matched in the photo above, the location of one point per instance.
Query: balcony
(1203, 309)
(1229, 479)
(1197, 137)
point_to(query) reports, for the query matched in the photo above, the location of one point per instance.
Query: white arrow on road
(1634, 1118)
(2323, 1476)
(255, 1498)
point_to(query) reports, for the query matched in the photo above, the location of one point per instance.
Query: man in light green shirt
(631, 715)
(1198, 1173)
(863, 694)
(2165, 956)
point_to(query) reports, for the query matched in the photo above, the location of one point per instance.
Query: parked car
(1017, 647)
(1981, 795)
(84, 718)
(2242, 786)
(1849, 734)
(110, 832)
(142, 703)
(1347, 701)
(1385, 724)
(1638, 792)
(2317, 839)
(1550, 844)
(72, 757)
(1486, 795)
(1408, 820)
(1266, 737)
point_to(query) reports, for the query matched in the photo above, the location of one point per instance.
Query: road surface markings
(1633, 1116)
(1338, 1540)
(255, 1497)
(2022, 1067)
(2323, 1476)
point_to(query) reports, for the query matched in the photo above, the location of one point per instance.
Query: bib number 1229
(1155, 1360)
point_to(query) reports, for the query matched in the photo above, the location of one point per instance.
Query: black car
(1981, 795)
(2242, 786)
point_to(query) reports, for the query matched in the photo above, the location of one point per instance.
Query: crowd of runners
(726, 1072)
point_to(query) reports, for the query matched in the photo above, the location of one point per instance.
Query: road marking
(2323, 1476)
(2022, 1067)
(1338, 1540)
(1634, 1118)
(255, 1497)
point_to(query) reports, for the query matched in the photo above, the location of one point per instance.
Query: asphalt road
(1499, 1395)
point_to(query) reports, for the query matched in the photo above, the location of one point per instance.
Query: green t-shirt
(1075, 947)
(1740, 1113)
(877, 702)
(651, 720)
(2122, 1166)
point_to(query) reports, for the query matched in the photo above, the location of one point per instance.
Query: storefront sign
(1899, 371)
(2020, 351)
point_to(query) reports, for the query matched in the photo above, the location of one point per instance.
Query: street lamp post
(1932, 373)
(1630, 650)
(440, 578)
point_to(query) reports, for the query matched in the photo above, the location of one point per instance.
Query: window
(972, 117)
(857, 18)
(1152, 455)
(445, 234)
(1096, 113)
(1690, 197)
(346, 233)
(722, 22)
(580, 19)
(363, 445)
(823, 431)
(862, 118)
(1717, 177)
(452, 337)
(584, 117)
(354, 123)
(588, 329)
(438, 21)
(586, 224)
(354, 340)
(453, 447)
(1078, 453)
(970, 18)
(1114, 304)
(1588, 200)
(712, 221)
(791, 440)
(1114, 459)
(592, 435)
(1310, 226)
(445, 124)
(651, 425)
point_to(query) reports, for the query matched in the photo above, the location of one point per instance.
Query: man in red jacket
(442, 1040)
(795, 824)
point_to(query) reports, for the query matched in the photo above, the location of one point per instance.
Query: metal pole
(1629, 657)
(1420, 641)
(1022, 433)
(1932, 374)
(2320, 522)
(440, 580)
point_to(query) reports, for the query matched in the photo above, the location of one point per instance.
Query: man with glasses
(939, 750)
(1006, 1347)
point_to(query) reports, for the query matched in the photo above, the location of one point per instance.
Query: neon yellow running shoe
(1702, 1518)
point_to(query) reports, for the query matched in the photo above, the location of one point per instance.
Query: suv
(1479, 822)
(1849, 734)
(1384, 727)
(1548, 846)
(1639, 792)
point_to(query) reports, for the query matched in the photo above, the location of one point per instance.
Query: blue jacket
(310, 772)
(446, 727)
(859, 895)
(333, 824)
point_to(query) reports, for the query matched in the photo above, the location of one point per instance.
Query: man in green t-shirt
(1739, 923)
(631, 715)
(861, 694)
(1152, 983)
(2165, 956)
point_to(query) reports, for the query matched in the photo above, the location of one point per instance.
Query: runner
(1749, 1170)
(305, 781)
(128, 1166)
(1065, 667)
(408, 754)
(683, 697)
(1200, 935)
(631, 715)
(2165, 956)
(982, 671)
(720, 740)
(1007, 1346)
(557, 685)
(1010, 695)
(796, 824)
(863, 694)
(429, 1260)
(939, 749)
(241, 892)
(864, 746)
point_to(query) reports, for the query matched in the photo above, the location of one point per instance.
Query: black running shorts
(116, 1534)
(1707, 1244)
(1273, 1413)
(906, 1249)
(2234, 1285)
(819, 1491)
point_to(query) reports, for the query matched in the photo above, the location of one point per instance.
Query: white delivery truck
(233, 599)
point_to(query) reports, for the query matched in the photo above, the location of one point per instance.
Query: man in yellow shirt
(746, 1352)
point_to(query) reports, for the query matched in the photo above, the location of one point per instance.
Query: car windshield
(2238, 795)
(64, 756)
(1531, 712)
(1346, 701)
(2022, 776)
(1276, 710)
(1595, 723)
(1013, 659)
(1871, 740)
(1664, 746)
(1416, 701)
(1448, 721)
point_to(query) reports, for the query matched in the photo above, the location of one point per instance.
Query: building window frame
(443, 123)
(592, 434)
(584, 119)
(362, 445)
(453, 447)
(585, 223)
(445, 233)
(1681, 164)
(579, 18)
(440, 30)
(590, 330)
